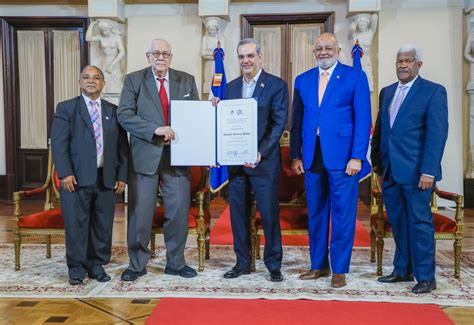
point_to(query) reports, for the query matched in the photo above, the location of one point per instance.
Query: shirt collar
(408, 84)
(330, 70)
(254, 79)
(88, 99)
(167, 76)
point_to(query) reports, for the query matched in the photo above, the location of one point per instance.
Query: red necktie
(165, 106)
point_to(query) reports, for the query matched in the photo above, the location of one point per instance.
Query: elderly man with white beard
(329, 140)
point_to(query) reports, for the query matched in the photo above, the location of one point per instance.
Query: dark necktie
(165, 106)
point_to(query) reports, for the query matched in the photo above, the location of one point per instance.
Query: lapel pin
(262, 85)
(106, 117)
(337, 76)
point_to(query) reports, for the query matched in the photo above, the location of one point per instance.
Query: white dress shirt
(167, 83)
(249, 87)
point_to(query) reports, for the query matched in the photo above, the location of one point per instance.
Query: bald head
(326, 50)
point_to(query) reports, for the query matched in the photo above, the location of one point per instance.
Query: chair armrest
(447, 195)
(33, 192)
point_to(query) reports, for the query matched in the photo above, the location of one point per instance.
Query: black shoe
(129, 275)
(394, 277)
(185, 272)
(75, 281)
(276, 276)
(235, 272)
(103, 277)
(424, 287)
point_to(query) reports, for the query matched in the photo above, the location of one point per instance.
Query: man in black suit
(261, 176)
(90, 152)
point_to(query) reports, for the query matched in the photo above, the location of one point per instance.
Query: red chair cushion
(291, 185)
(441, 223)
(291, 218)
(44, 219)
(56, 180)
(159, 218)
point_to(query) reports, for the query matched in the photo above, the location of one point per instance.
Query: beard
(326, 63)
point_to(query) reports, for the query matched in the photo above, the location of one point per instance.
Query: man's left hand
(250, 165)
(353, 167)
(119, 187)
(426, 182)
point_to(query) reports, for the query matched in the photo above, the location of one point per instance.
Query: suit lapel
(260, 85)
(106, 117)
(408, 98)
(336, 76)
(153, 90)
(84, 112)
(174, 85)
(387, 99)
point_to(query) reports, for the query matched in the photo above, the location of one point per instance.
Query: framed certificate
(208, 135)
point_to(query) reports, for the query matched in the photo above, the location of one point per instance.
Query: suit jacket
(73, 143)
(415, 143)
(140, 114)
(272, 96)
(343, 118)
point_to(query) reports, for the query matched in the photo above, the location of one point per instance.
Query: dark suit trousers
(142, 194)
(88, 215)
(332, 198)
(265, 188)
(409, 212)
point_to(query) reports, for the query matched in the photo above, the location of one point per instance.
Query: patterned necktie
(165, 106)
(397, 103)
(323, 83)
(95, 119)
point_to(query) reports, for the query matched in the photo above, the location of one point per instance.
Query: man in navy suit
(90, 153)
(329, 140)
(407, 147)
(261, 176)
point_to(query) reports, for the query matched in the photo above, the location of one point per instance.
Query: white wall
(438, 32)
(3, 167)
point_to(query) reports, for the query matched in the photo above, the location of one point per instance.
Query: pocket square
(187, 95)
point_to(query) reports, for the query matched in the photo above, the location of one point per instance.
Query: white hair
(408, 48)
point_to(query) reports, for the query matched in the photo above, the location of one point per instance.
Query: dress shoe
(315, 274)
(235, 272)
(75, 281)
(185, 272)
(424, 287)
(338, 280)
(394, 277)
(129, 275)
(103, 277)
(276, 276)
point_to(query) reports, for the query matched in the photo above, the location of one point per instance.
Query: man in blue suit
(90, 153)
(407, 147)
(261, 176)
(329, 141)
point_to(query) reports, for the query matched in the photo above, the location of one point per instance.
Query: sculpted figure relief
(210, 39)
(469, 51)
(111, 52)
(363, 29)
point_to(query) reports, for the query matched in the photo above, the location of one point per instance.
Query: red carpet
(221, 234)
(233, 311)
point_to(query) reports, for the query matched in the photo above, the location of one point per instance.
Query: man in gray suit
(144, 112)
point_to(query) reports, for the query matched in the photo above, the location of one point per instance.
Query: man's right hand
(68, 183)
(166, 132)
(215, 101)
(297, 166)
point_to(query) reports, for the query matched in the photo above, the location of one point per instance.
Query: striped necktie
(95, 119)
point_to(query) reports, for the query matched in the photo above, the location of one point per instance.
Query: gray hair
(92, 66)
(250, 41)
(159, 40)
(409, 48)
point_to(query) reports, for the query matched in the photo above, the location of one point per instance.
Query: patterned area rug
(47, 278)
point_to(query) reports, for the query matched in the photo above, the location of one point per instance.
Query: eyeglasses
(157, 54)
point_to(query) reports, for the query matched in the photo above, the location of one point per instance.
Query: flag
(357, 53)
(219, 176)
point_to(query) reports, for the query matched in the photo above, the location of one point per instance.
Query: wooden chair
(445, 227)
(292, 198)
(43, 223)
(199, 217)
